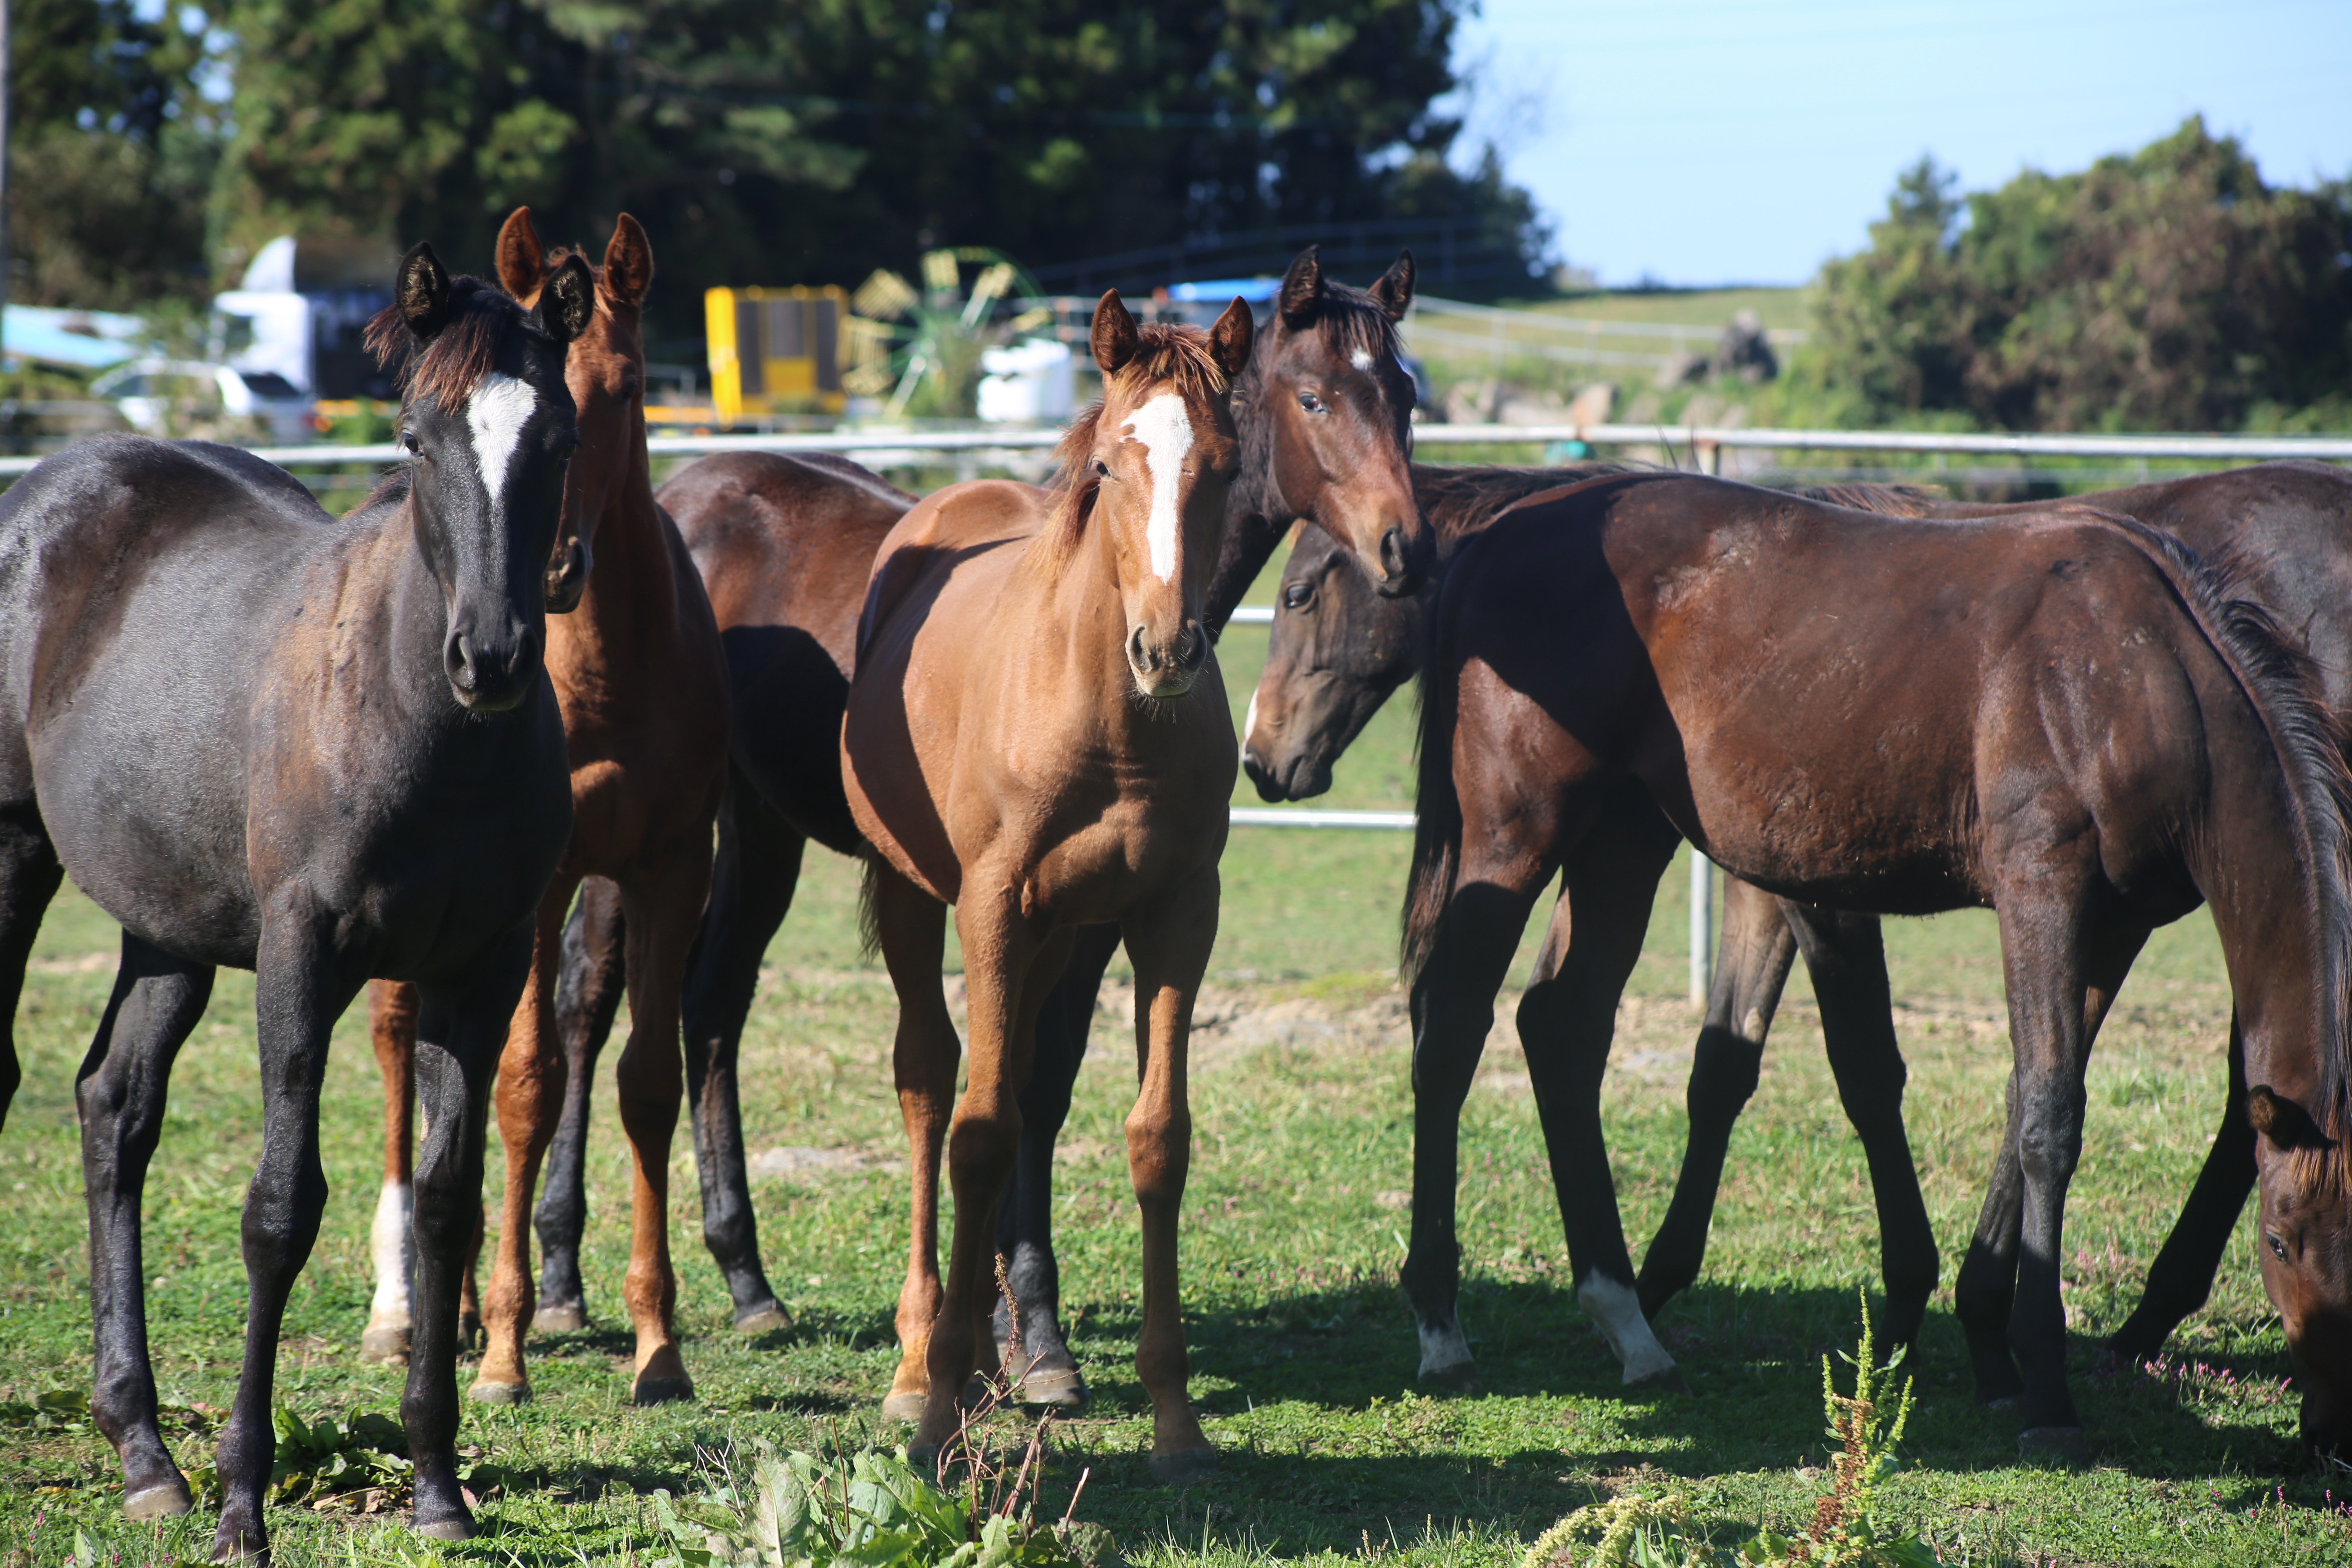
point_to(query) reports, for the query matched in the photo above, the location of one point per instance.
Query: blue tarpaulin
(83, 340)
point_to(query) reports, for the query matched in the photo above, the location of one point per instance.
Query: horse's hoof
(923, 1458)
(767, 1317)
(2057, 1445)
(1459, 1377)
(1185, 1467)
(447, 1527)
(1063, 1388)
(158, 1499)
(903, 1407)
(661, 1390)
(485, 1392)
(1666, 1380)
(385, 1344)
(233, 1545)
(561, 1318)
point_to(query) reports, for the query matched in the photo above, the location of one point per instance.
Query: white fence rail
(1706, 442)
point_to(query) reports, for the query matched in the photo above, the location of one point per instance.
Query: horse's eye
(1312, 404)
(2278, 1247)
(1295, 595)
(1102, 469)
(408, 440)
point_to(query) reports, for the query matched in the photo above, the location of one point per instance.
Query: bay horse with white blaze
(1036, 734)
(639, 679)
(260, 737)
(2064, 717)
(784, 543)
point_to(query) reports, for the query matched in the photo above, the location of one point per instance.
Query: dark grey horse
(323, 751)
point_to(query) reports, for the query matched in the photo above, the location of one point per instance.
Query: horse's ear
(628, 262)
(567, 303)
(1392, 290)
(1302, 288)
(1114, 338)
(1230, 337)
(2281, 1121)
(521, 263)
(422, 291)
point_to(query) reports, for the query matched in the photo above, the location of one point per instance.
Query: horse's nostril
(1139, 653)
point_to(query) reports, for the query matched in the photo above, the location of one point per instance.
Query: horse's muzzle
(1167, 672)
(1405, 562)
(490, 674)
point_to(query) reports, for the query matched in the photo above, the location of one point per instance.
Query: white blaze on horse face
(1165, 428)
(495, 414)
(1361, 359)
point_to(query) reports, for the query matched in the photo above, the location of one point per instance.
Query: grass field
(1303, 1353)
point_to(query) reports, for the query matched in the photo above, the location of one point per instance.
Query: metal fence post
(1702, 926)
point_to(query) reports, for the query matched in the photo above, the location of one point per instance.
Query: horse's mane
(1460, 500)
(460, 354)
(2281, 685)
(1887, 500)
(1174, 354)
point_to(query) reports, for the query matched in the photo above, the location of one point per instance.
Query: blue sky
(1714, 140)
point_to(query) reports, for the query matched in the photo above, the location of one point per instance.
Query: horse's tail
(871, 867)
(2281, 687)
(1437, 808)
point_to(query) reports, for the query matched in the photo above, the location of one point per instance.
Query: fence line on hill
(1704, 443)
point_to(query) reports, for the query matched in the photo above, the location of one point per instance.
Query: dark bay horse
(1037, 735)
(260, 737)
(2068, 721)
(639, 679)
(1338, 651)
(784, 543)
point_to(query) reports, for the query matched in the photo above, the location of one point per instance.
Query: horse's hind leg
(157, 1000)
(1024, 1228)
(392, 1242)
(912, 926)
(2182, 1275)
(29, 875)
(1847, 959)
(589, 977)
(1751, 967)
(1567, 1020)
(664, 897)
(753, 880)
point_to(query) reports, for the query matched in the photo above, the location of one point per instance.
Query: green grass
(1303, 1354)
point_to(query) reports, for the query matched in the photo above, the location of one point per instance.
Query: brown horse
(785, 544)
(638, 675)
(1036, 734)
(2067, 721)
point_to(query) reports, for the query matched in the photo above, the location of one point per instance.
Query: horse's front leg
(121, 1093)
(2062, 972)
(392, 1028)
(1025, 1229)
(300, 987)
(911, 927)
(530, 1080)
(1001, 948)
(1751, 966)
(1168, 939)
(2182, 1275)
(462, 1026)
(589, 979)
(1568, 1020)
(663, 897)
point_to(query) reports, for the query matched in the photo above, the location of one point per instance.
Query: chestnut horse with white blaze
(643, 688)
(1038, 734)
